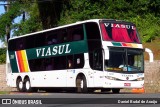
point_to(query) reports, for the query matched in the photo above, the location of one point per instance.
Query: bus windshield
(119, 32)
(125, 59)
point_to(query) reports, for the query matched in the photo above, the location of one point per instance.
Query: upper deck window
(119, 32)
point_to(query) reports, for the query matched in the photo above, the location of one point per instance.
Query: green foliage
(41, 15)
(148, 27)
(139, 12)
(2, 55)
(7, 18)
(31, 24)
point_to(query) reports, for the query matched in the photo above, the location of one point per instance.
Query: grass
(4, 92)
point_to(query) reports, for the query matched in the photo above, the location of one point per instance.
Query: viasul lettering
(55, 50)
(113, 25)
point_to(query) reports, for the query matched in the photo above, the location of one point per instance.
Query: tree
(50, 12)
(44, 14)
(154, 6)
(31, 22)
(7, 18)
(19, 8)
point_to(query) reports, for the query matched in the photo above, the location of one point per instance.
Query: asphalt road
(43, 99)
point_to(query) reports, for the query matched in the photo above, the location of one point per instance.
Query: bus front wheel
(115, 90)
(81, 84)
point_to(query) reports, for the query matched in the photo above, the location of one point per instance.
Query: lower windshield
(125, 59)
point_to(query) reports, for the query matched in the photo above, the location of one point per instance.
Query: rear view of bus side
(83, 56)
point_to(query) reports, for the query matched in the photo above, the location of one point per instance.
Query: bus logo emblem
(127, 78)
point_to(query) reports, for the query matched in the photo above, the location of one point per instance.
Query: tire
(91, 90)
(81, 85)
(105, 90)
(115, 90)
(27, 85)
(20, 85)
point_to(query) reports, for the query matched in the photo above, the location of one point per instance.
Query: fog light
(140, 79)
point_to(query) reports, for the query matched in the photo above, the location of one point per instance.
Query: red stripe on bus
(20, 61)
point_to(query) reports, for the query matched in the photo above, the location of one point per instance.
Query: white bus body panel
(51, 79)
(124, 80)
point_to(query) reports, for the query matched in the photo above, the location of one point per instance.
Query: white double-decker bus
(84, 56)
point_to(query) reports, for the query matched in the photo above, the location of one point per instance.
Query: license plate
(127, 84)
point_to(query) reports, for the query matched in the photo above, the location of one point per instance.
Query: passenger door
(98, 67)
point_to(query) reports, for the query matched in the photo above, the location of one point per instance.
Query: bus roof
(67, 25)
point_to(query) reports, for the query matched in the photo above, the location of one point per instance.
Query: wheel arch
(81, 75)
(26, 77)
(23, 77)
(18, 77)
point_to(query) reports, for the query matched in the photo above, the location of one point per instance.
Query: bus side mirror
(151, 56)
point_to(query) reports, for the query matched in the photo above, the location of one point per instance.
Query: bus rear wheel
(81, 85)
(20, 85)
(27, 85)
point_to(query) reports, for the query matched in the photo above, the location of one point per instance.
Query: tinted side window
(30, 42)
(46, 64)
(37, 64)
(60, 62)
(40, 39)
(93, 39)
(57, 63)
(75, 61)
(51, 37)
(17, 44)
(68, 34)
(78, 61)
(76, 33)
(92, 31)
(98, 59)
(63, 35)
(70, 62)
(11, 45)
(22, 43)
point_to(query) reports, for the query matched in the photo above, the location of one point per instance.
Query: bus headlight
(140, 79)
(110, 78)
